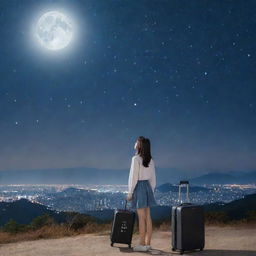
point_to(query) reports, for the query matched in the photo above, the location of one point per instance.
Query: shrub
(77, 221)
(13, 227)
(40, 221)
(216, 217)
(251, 215)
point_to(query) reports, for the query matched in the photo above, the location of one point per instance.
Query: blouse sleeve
(133, 175)
(152, 179)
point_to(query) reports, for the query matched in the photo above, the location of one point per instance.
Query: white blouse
(139, 172)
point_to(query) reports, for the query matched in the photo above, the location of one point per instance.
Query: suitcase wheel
(112, 244)
(181, 252)
(201, 248)
(130, 246)
(173, 249)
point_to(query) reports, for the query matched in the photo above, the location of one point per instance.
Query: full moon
(54, 30)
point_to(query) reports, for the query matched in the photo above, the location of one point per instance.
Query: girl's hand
(129, 197)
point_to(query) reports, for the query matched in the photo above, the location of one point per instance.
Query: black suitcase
(122, 226)
(188, 232)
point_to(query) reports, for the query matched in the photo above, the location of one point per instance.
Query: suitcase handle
(184, 182)
(125, 205)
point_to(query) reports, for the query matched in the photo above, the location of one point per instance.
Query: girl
(141, 187)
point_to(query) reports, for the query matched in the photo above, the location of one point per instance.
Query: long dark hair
(144, 150)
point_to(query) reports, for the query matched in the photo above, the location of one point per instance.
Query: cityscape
(83, 198)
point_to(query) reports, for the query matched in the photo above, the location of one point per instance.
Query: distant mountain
(71, 192)
(236, 209)
(168, 187)
(23, 212)
(225, 178)
(83, 175)
(79, 175)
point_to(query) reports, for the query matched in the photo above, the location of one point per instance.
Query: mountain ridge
(84, 175)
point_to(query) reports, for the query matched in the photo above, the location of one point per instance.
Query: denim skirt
(143, 195)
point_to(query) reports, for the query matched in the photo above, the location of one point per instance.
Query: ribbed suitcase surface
(188, 232)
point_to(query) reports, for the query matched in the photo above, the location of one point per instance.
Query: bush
(216, 217)
(40, 221)
(13, 227)
(251, 215)
(77, 221)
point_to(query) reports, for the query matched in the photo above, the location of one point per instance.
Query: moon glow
(54, 30)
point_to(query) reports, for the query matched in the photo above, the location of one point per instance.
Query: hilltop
(220, 241)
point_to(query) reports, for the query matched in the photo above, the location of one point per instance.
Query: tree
(13, 227)
(40, 221)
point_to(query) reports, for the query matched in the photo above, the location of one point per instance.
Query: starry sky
(181, 73)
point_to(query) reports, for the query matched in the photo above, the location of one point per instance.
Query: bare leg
(142, 224)
(149, 227)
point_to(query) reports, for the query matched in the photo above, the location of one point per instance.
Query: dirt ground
(220, 241)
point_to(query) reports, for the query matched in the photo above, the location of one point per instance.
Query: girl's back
(146, 173)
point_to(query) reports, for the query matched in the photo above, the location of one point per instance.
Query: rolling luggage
(188, 232)
(122, 226)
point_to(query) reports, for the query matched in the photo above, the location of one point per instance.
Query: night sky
(181, 73)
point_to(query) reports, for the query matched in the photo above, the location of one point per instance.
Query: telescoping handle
(186, 183)
(125, 204)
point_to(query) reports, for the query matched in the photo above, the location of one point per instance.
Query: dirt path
(220, 241)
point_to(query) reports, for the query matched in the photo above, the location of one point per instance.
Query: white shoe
(140, 248)
(148, 247)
